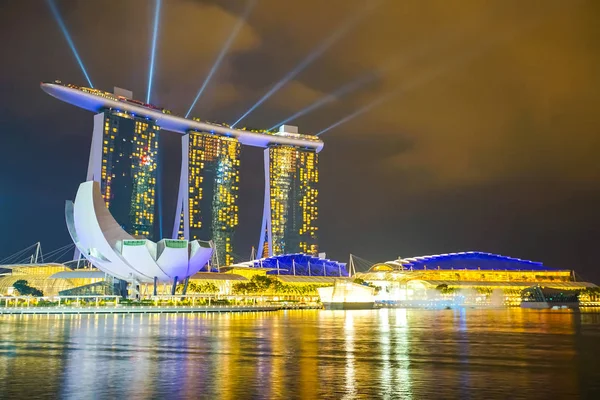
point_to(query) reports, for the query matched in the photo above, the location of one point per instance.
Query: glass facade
(129, 171)
(293, 178)
(213, 186)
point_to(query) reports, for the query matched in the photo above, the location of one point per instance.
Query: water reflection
(401, 354)
(394, 353)
(384, 351)
(349, 348)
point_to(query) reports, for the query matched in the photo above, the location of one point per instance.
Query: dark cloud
(496, 151)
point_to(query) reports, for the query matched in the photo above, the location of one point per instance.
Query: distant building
(207, 207)
(299, 271)
(298, 264)
(124, 159)
(477, 273)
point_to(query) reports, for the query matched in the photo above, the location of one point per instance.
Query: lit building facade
(291, 201)
(102, 241)
(124, 159)
(208, 192)
(298, 264)
(476, 275)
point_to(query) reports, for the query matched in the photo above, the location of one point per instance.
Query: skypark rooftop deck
(97, 100)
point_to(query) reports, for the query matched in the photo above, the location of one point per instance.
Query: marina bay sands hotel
(124, 158)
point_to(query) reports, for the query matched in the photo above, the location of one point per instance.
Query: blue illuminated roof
(301, 264)
(471, 260)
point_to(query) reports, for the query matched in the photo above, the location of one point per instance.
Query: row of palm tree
(263, 285)
(198, 288)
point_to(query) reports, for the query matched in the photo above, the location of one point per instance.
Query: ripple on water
(393, 353)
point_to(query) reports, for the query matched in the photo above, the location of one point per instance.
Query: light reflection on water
(395, 353)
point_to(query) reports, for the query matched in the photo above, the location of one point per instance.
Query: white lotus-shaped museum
(102, 241)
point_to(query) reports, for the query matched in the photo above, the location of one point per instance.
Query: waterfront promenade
(177, 304)
(69, 310)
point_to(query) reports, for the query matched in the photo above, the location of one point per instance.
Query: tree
(444, 289)
(198, 288)
(24, 289)
(264, 284)
(483, 290)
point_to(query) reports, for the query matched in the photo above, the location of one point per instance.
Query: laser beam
(341, 91)
(355, 85)
(316, 53)
(65, 32)
(230, 39)
(395, 63)
(358, 112)
(427, 77)
(364, 80)
(153, 51)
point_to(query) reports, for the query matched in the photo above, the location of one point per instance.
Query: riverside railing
(188, 300)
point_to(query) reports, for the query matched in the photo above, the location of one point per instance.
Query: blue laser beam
(65, 32)
(341, 91)
(230, 39)
(153, 51)
(316, 53)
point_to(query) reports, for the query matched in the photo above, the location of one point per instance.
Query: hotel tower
(124, 159)
(291, 208)
(207, 204)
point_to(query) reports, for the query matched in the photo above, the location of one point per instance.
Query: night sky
(480, 128)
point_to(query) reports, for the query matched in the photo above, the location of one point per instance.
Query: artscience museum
(107, 246)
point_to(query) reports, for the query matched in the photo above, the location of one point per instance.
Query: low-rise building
(475, 274)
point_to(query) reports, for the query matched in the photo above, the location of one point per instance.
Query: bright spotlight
(223, 51)
(326, 44)
(153, 51)
(65, 32)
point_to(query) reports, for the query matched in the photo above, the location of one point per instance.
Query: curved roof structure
(35, 265)
(470, 260)
(101, 100)
(79, 274)
(300, 265)
(47, 284)
(107, 246)
(215, 276)
(311, 279)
